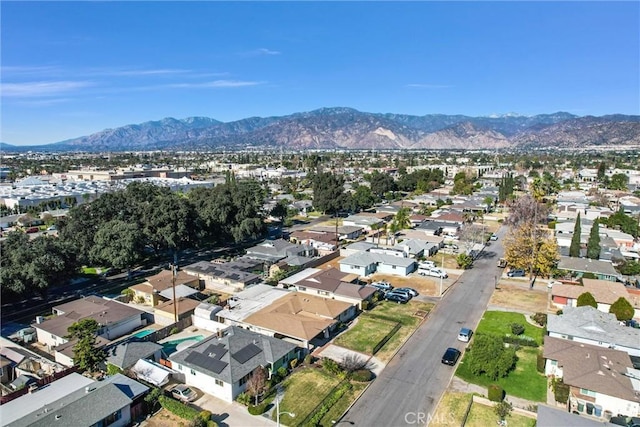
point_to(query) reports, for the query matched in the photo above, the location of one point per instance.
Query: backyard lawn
(524, 381)
(373, 325)
(304, 390)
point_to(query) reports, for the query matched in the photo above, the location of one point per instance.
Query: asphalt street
(410, 387)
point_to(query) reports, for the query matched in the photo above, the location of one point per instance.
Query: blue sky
(72, 69)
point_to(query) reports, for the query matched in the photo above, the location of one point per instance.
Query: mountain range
(347, 128)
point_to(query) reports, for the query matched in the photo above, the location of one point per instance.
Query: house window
(554, 362)
(302, 288)
(193, 372)
(586, 392)
(393, 267)
(244, 379)
(219, 383)
(112, 418)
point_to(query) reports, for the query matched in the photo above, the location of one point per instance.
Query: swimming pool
(171, 347)
(143, 333)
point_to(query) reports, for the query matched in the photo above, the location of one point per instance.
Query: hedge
(362, 375)
(520, 340)
(495, 393)
(328, 403)
(178, 408)
(258, 409)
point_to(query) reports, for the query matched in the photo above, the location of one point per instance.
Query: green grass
(364, 336)
(499, 323)
(304, 390)
(524, 381)
(451, 409)
(482, 416)
(89, 270)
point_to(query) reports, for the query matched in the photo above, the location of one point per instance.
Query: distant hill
(348, 128)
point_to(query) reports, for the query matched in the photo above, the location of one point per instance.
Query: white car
(434, 272)
(427, 264)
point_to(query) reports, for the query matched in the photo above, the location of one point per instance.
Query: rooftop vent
(58, 416)
(89, 388)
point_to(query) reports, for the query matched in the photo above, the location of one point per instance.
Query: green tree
(488, 356)
(574, 249)
(381, 183)
(464, 261)
(623, 309)
(630, 268)
(593, 245)
(328, 192)
(280, 210)
(362, 198)
(602, 168)
(118, 243)
(626, 223)
(586, 299)
(86, 354)
(618, 181)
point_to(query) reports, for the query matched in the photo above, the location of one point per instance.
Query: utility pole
(442, 274)
(174, 272)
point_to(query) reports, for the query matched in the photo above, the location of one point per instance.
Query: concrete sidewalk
(338, 354)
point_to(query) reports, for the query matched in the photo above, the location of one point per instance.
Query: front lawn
(341, 405)
(499, 323)
(374, 324)
(303, 391)
(364, 336)
(524, 381)
(450, 410)
(483, 415)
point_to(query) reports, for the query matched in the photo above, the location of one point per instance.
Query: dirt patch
(425, 285)
(164, 418)
(519, 298)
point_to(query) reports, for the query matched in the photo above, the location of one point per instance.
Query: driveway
(231, 414)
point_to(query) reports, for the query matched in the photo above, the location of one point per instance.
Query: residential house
(124, 355)
(417, 248)
(331, 283)
(272, 251)
(225, 277)
(299, 318)
(222, 364)
(115, 319)
(241, 305)
(78, 401)
(355, 248)
(591, 326)
(323, 241)
(345, 232)
(159, 288)
(548, 416)
(366, 222)
(166, 312)
(603, 270)
(601, 380)
(366, 263)
(604, 292)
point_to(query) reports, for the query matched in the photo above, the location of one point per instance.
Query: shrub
(328, 403)
(365, 305)
(496, 393)
(540, 363)
(205, 415)
(331, 366)
(294, 363)
(113, 369)
(559, 312)
(520, 340)
(308, 359)
(540, 319)
(174, 330)
(178, 408)
(362, 375)
(282, 372)
(244, 399)
(517, 328)
(560, 390)
(258, 409)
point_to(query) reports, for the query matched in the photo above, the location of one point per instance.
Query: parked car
(451, 356)
(493, 237)
(426, 264)
(396, 298)
(502, 263)
(184, 393)
(411, 291)
(435, 272)
(465, 334)
(404, 294)
(32, 230)
(516, 273)
(383, 286)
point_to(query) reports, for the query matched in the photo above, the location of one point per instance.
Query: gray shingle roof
(587, 265)
(230, 365)
(126, 355)
(588, 322)
(85, 408)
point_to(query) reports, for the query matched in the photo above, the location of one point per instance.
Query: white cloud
(44, 102)
(44, 88)
(152, 72)
(215, 84)
(427, 86)
(261, 52)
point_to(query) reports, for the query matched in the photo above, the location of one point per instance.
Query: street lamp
(291, 414)
(334, 422)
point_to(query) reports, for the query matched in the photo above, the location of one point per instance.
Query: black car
(451, 356)
(400, 299)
